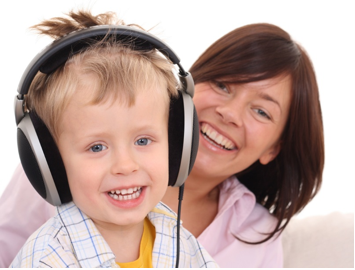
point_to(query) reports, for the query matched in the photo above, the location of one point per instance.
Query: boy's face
(116, 157)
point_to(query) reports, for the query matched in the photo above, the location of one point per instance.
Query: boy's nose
(124, 163)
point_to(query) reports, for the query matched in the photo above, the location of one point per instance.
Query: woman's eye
(143, 141)
(97, 148)
(219, 86)
(222, 86)
(262, 113)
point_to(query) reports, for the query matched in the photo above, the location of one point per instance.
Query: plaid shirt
(70, 239)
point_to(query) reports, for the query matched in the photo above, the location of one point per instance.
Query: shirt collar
(89, 246)
(164, 221)
(235, 194)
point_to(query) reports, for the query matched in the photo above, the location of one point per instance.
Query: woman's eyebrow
(269, 98)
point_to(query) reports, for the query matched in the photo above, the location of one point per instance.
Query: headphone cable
(181, 194)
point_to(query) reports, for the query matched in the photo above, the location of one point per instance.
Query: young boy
(107, 109)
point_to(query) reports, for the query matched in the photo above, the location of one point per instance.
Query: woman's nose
(124, 163)
(231, 112)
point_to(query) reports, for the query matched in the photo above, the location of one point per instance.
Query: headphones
(38, 151)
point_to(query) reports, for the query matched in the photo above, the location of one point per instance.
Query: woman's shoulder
(240, 218)
(246, 214)
(260, 219)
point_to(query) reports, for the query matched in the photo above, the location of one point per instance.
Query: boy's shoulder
(192, 254)
(50, 238)
(64, 240)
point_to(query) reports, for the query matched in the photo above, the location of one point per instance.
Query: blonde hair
(119, 70)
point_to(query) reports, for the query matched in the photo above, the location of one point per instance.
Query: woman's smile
(216, 139)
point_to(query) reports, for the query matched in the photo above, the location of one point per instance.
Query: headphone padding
(29, 164)
(53, 158)
(176, 137)
(195, 140)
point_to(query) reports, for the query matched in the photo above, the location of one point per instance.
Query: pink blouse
(239, 215)
(22, 211)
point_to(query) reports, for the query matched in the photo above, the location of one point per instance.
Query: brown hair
(119, 70)
(261, 51)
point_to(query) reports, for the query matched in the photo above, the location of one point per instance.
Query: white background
(325, 28)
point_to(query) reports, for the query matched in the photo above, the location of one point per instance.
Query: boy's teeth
(126, 194)
(125, 191)
(216, 138)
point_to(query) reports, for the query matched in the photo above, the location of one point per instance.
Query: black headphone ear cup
(176, 136)
(42, 161)
(178, 140)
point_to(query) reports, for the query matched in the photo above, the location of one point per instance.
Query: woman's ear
(270, 154)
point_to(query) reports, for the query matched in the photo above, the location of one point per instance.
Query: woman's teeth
(126, 194)
(215, 138)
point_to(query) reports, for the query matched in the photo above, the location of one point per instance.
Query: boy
(107, 109)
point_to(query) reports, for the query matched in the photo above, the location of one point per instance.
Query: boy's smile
(115, 155)
(126, 198)
(125, 194)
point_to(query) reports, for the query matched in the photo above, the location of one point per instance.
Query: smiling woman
(261, 152)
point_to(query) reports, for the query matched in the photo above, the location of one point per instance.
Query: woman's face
(239, 124)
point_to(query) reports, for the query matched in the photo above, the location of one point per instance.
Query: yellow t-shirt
(145, 250)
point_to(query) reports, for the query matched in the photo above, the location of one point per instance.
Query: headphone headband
(65, 44)
(57, 53)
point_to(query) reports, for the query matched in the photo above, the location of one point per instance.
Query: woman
(257, 101)
(260, 158)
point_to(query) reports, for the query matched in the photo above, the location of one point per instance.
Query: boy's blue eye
(97, 148)
(143, 141)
